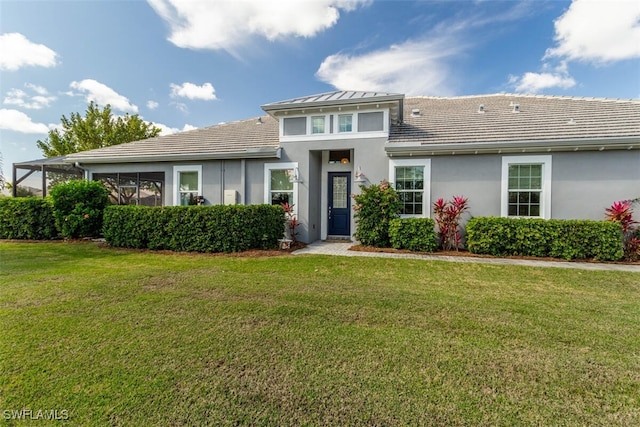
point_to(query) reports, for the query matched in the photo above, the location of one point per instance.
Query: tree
(98, 128)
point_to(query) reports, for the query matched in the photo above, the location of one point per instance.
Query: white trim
(545, 200)
(176, 181)
(268, 167)
(333, 133)
(426, 195)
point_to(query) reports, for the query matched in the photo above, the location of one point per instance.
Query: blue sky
(185, 64)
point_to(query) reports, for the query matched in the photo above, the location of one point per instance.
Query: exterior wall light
(360, 176)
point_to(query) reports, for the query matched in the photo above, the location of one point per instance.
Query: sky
(187, 64)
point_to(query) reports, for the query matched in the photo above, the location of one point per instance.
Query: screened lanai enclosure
(36, 177)
(133, 188)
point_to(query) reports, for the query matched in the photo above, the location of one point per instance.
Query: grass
(118, 337)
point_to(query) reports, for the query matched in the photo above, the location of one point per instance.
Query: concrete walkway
(342, 249)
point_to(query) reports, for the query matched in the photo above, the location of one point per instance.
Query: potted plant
(290, 233)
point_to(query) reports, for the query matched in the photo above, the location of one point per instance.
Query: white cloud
(152, 105)
(18, 121)
(167, 130)
(412, 68)
(37, 89)
(231, 24)
(103, 95)
(20, 98)
(16, 51)
(188, 90)
(598, 31)
(536, 82)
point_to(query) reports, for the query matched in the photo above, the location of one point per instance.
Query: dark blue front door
(339, 217)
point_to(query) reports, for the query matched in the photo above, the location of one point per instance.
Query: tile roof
(539, 118)
(251, 138)
(441, 122)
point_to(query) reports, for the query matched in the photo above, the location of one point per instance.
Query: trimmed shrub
(78, 206)
(414, 234)
(568, 239)
(216, 228)
(374, 207)
(27, 218)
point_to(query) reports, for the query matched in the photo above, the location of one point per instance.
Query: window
(370, 122)
(345, 123)
(317, 124)
(411, 180)
(295, 126)
(526, 186)
(188, 184)
(280, 185)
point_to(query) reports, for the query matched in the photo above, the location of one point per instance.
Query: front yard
(119, 337)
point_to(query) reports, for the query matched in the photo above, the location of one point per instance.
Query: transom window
(294, 126)
(370, 122)
(526, 186)
(317, 124)
(410, 178)
(345, 123)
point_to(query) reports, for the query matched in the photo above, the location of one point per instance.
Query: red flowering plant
(292, 221)
(622, 212)
(448, 215)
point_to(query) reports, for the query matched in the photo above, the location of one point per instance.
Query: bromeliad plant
(448, 215)
(622, 212)
(292, 221)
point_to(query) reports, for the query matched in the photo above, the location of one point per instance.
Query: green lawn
(117, 337)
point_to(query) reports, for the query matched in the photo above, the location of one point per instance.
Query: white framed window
(345, 123)
(411, 178)
(371, 122)
(187, 182)
(294, 126)
(526, 186)
(318, 124)
(280, 183)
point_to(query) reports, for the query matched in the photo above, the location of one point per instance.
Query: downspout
(85, 172)
(43, 169)
(222, 182)
(243, 181)
(14, 186)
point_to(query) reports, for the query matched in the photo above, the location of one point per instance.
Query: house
(511, 155)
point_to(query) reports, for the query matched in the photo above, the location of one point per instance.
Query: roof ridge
(521, 95)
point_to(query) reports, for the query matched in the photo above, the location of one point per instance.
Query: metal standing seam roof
(343, 97)
(251, 138)
(539, 118)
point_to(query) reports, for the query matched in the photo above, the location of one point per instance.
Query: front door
(339, 215)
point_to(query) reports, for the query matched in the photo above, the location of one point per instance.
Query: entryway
(339, 204)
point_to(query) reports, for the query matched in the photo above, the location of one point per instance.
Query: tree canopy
(98, 128)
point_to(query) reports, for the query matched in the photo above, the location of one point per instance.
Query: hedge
(568, 239)
(29, 218)
(78, 207)
(216, 228)
(414, 234)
